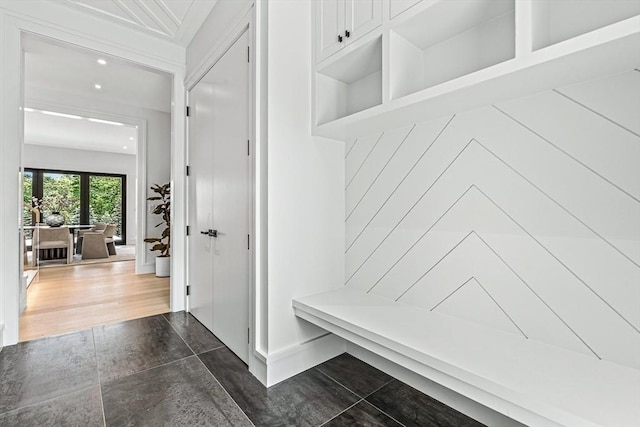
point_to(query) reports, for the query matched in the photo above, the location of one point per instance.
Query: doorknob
(210, 233)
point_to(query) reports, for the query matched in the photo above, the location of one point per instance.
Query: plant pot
(163, 266)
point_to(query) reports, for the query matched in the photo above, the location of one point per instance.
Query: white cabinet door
(329, 27)
(362, 16)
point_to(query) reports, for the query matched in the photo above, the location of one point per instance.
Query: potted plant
(162, 244)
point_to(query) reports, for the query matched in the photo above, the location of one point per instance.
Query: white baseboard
(298, 358)
(145, 268)
(455, 400)
(1, 335)
(258, 367)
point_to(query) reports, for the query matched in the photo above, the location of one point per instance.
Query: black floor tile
(413, 408)
(39, 370)
(199, 338)
(308, 399)
(362, 414)
(83, 408)
(354, 374)
(181, 393)
(129, 347)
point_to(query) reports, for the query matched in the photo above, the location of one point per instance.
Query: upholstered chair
(109, 232)
(94, 245)
(56, 240)
(98, 226)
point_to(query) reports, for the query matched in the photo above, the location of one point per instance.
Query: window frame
(37, 191)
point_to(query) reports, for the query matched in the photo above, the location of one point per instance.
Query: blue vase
(54, 220)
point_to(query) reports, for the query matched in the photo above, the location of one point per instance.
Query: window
(81, 197)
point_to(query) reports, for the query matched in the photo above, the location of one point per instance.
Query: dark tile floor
(171, 371)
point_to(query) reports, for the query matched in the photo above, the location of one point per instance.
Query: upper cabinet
(341, 22)
(415, 59)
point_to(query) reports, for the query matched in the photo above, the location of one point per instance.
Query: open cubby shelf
(350, 85)
(449, 40)
(555, 21)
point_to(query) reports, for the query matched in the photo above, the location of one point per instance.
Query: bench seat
(529, 381)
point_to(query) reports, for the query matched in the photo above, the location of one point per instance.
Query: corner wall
(305, 182)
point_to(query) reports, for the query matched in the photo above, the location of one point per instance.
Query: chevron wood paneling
(172, 19)
(523, 217)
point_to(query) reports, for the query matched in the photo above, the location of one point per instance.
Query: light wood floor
(67, 299)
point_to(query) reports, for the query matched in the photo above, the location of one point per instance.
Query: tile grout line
(339, 383)
(342, 412)
(95, 353)
(362, 399)
(47, 400)
(380, 388)
(153, 367)
(225, 390)
(187, 344)
(383, 412)
(181, 337)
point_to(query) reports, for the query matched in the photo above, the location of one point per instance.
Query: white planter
(163, 266)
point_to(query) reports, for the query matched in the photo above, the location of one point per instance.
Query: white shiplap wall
(522, 216)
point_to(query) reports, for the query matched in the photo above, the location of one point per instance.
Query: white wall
(305, 181)
(43, 157)
(521, 217)
(213, 31)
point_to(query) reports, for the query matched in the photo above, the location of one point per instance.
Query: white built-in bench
(534, 383)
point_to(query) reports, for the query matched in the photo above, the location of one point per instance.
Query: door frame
(256, 360)
(143, 266)
(98, 38)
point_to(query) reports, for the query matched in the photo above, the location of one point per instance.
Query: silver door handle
(210, 233)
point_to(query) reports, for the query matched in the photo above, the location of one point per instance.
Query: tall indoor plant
(162, 244)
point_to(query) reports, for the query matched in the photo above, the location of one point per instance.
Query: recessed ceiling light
(97, 86)
(106, 122)
(125, 147)
(102, 61)
(130, 138)
(53, 113)
(29, 110)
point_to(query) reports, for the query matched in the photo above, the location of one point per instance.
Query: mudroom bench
(528, 381)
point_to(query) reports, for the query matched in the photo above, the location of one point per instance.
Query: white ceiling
(175, 20)
(78, 133)
(63, 71)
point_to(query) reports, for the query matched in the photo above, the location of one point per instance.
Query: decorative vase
(163, 266)
(54, 220)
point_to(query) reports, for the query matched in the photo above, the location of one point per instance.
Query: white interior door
(201, 203)
(220, 183)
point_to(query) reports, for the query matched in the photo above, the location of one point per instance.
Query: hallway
(72, 298)
(169, 370)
